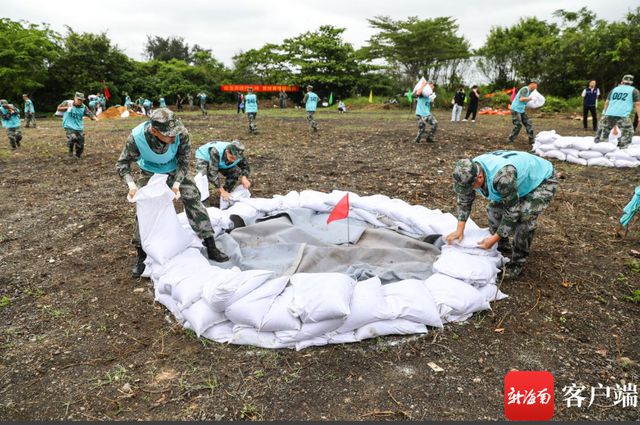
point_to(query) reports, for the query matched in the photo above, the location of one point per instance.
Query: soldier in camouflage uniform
(310, 101)
(73, 124)
(233, 165)
(519, 116)
(29, 112)
(519, 186)
(162, 145)
(617, 108)
(11, 121)
(423, 112)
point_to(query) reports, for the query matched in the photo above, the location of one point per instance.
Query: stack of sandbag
(256, 307)
(584, 151)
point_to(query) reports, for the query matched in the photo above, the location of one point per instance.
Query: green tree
(26, 53)
(266, 65)
(429, 47)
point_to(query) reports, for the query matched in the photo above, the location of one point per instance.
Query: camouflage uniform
(607, 122)
(513, 216)
(312, 123)
(76, 137)
(519, 119)
(231, 175)
(252, 121)
(189, 193)
(14, 134)
(422, 123)
(202, 99)
(29, 114)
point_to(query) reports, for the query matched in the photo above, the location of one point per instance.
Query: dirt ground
(80, 339)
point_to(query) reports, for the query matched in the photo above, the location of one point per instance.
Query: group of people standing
(458, 104)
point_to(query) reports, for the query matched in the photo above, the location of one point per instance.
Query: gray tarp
(300, 241)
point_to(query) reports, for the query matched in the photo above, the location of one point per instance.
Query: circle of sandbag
(293, 281)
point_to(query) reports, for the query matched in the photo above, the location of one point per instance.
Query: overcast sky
(227, 27)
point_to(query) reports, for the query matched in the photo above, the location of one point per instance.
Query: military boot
(138, 267)
(213, 252)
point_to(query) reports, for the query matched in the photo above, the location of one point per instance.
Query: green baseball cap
(464, 174)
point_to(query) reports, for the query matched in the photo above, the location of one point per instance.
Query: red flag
(107, 95)
(340, 211)
(513, 93)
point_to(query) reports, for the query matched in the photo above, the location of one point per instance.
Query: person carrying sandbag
(617, 108)
(161, 145)
(11, 121)
(519, 186)
(519, 116)
(426, 96)
(73, 124)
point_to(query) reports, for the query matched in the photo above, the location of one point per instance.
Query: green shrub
(555, 104)
(575, 103)
(501, 100)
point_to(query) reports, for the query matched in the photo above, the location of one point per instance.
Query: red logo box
(528, 396)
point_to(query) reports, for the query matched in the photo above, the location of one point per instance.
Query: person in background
(472, 108)
(11, 121)
(73, 124)
(251, 106)
(127, 101)
(310, 101)
(240, 99)
(283, 99)
(518, 115)
(590, 97)
(178, 103)
(458, 103)
(342, 108)
(29, 111)
(162, 103)
(617, 110)
(202, 100)
(190, 102)
(147, 105)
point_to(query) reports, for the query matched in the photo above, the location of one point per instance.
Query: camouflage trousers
(231, 176)
(252, 121)
(15, 136)
(422, 124)
(531, 206)
(202, 109)
(30, 118)
(312, 123)
(75, 138)
(193, 207)
(624, 125)
(519, 119)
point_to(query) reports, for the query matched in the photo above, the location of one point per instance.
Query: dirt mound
(116, 112)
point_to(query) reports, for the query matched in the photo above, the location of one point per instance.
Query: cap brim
(173, 132)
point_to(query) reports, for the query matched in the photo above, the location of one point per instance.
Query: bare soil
(80, 339)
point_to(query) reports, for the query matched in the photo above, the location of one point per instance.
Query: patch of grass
(250, 412)
(634, 297)
(119, 374)
(634, 266)
(5, 301)
(37, 292)
(258, 373)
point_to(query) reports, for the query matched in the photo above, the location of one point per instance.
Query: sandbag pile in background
(584, 151)
(257, 307)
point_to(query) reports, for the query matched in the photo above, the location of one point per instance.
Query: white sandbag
(125, 114)
(290, 200)
(576, 160)
(583, 143)
(635, 140)
(538, 152)
(411, 300)
(368, 304)
(170, 304)
(278, 317)
(263, 205)
(475, 269)
(570, 151)
(546, 137)
(619, 154)
(633, 150)
(248, 213)
(590, 154)
(536, 100)
(603, 147)
(314, 200)
(555, 154)
(314, 342)
(390, 327)
(202, 317)
(492, 293)
(309, 331)
(343, 338)
(178, 269)
(188, 290)
(603, 162)
(161, 234)
(564, 142)
(456, 300)
(221, 332)
(614, 135)
(202, 183)
(251, 309)
(548, 147)
(421, 84)
(321, 296)
(245, 335)
(623, 163)
(228, 290)
(240, 192)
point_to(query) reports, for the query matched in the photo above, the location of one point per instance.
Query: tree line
(561, 54)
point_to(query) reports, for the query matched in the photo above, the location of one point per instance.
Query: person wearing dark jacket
(458, 103)
(474, 97)
(589, 99)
